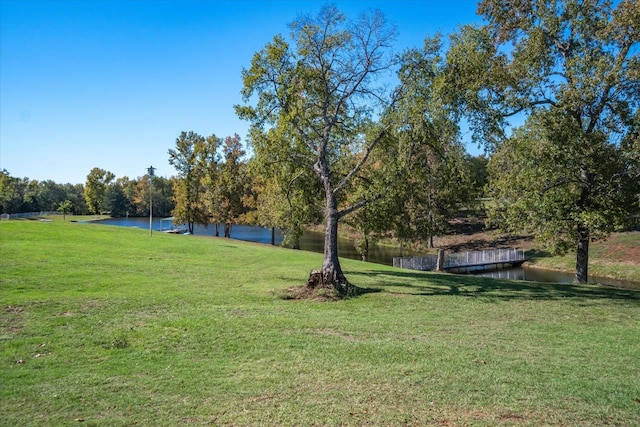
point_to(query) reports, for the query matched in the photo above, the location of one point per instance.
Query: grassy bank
(617, 257)
(108, 326)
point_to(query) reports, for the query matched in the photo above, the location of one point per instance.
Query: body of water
(314, 242)
(551, 276)
(310, 241)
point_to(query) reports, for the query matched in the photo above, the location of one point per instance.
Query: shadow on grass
(432, 284)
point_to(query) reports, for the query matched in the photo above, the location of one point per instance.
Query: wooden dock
(464, 262)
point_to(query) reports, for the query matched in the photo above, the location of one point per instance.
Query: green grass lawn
(105, 325)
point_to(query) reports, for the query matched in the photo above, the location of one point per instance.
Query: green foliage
(95, 189)
(137, 193)
(572, 67)
(115, 201)
(285, 198)
(11, 198)
(65, 208)
(541, 193)
(25, 195)
(436, 180)
(477, 166)
(228, 185)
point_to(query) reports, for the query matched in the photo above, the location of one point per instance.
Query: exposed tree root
(324, 287)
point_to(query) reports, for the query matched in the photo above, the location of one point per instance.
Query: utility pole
(151, 175)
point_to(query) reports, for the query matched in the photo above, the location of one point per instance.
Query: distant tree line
(28, 195)
(101, 194)
(106, 194)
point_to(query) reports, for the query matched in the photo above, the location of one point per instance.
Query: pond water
(310, 241)
(314, 242)
(550, 276)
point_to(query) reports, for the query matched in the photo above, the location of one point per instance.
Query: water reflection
(550, 276)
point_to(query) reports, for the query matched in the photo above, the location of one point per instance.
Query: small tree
(537, 193)
(285, 197)
(65, 207)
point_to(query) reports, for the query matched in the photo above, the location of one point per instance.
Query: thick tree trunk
(440, 260)
(331, 275)
(582, 256)
(273, 236)
(331, 269)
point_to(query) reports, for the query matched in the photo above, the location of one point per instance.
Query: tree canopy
(95, 188)
(191, 160)
(570, 70)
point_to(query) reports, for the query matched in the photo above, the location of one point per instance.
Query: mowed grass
(105, 325)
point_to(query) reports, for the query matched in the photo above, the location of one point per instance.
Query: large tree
(115, 200)
(228, 189)
(96, 187)
(540, 193)
(438, 179)
(573, 68)
(189, 159)
(315, 99)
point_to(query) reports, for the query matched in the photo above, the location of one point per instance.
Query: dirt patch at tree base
(314, 294)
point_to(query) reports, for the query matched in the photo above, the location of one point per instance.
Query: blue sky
(112, 83)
